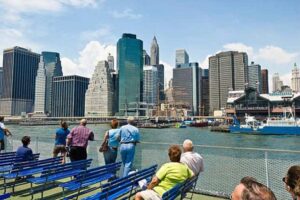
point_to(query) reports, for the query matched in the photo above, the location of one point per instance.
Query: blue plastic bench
(29, 168)
(90, 177)
(4, 196)
(173, 192)
(123, 186)
(52, 174)
(7, 154)
(189, 186)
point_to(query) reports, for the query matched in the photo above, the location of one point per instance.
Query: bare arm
(7, 132)
(154, 182)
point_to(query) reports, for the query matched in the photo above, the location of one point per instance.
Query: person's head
(174, 153)
(64, 124)
(291, 179)
(83, 122)
(114, 123)
(1, 118)
(187, 145)
(130, 120)
(25, 140)
(250, 189)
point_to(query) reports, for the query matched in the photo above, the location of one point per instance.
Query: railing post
(36, 144)
(266, 166)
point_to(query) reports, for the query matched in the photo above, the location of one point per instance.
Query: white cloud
(239, 47)
(91, 54)
(168, 72)
(127, 13)
(204, 63)
(286, 78)
(275, 55)
(96, 34)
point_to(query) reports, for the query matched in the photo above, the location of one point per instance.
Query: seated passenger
(169, 175)
(292, 181)
(250, 189)
(24, 151)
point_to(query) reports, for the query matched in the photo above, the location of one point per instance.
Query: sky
(85, 31)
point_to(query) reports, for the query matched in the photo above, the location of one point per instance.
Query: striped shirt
(80, 135)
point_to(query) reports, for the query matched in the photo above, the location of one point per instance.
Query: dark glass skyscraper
(19, 71)
(204, 110)
(161, 81)
(130, 65)
(1, 79)
(265, 81)
(68, 96)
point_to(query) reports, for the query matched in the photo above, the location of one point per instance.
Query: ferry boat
(287, 125)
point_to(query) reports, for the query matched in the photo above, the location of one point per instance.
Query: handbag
(104, 145)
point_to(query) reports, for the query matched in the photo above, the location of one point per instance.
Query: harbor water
(227, 157)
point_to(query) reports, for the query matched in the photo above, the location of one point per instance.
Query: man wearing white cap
(192, 159)
(130, 135)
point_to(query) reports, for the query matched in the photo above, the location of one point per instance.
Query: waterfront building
(254, 77)
(130, 63)
(264, 81)
(19, 72)
(204, 109)
(227, 71)
(146, 58)
(295, 79)
(1, 79)
(182, 57)
(68, 96)
(40, 89)
(154, 52)
(52, 66)
(111, 62)
(150, 85)
(277, 83)
(99, 97)
(187, 87)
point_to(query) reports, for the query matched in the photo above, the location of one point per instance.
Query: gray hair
(130, 120)
(187, 145)
(83, 122)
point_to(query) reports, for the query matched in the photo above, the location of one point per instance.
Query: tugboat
(287, 125)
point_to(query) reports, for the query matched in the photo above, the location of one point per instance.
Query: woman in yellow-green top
(169, 175)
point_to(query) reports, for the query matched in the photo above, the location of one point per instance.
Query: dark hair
(25, 140)
(64, 124)
(1, 118)
(114, 123)
(255, 190)
(292, 176)
(174, 153)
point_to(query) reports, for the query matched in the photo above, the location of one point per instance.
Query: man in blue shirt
(129, 135)
(60, 141)
(24, 151)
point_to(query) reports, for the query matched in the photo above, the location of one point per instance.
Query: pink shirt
(80, 135)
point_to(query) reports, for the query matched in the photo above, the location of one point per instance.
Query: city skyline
(269, 37)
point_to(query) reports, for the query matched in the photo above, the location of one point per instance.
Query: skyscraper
(227, 71)
(295, 79)
(154, 52)
(69, 96)
(99, 97)
(130, 63)
(161, 81)
(265, 81)
(277, 83)
(1, 79)
(146, 58)
(187, 87)
(52, 67)
(40, 89)
(19, 72)
(111, 62)
(204, 108)
(181, 57)
(150, 85)
(254, 77)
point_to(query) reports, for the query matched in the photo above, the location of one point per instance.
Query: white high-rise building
(296, 79)
(111, 62)
(99, 97)
(277, 83)
(40, 89)
(150, 85)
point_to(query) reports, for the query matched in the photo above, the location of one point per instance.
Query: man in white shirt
(3, 132)
(192, 159)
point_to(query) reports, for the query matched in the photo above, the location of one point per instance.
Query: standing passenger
(78, 141)
(113, 137)
(3, 132)
(130, 135)
(60, 140)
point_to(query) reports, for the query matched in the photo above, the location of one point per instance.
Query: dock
(221, 128)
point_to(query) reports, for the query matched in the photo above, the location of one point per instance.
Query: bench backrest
(173, 192)
(16, 159)
(7, 154)
(36, 164)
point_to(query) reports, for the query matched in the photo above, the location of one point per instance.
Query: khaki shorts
(150, 195)
(59, 149)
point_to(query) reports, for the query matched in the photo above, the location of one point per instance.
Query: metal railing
(223, 166)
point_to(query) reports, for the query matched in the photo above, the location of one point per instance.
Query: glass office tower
(130, 65)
